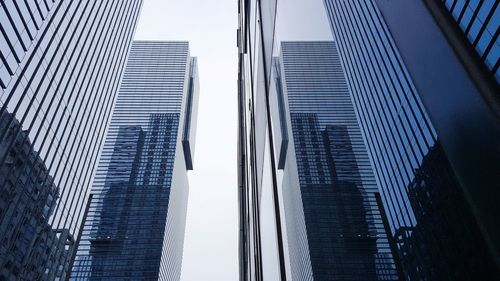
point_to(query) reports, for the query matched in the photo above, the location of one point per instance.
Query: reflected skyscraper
(60, 68)
(426, 100)
(135, 227)
(326, 173)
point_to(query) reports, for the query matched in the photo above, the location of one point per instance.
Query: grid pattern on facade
(127, 219)
(400, 139)
(60, 67)
(480, 21)
(21, 23)
(345, 232)
(125, 232)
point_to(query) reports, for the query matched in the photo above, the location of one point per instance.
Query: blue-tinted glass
(345, 234)
(412, 101)
(142, 172)
(484, 20)
(419, 188)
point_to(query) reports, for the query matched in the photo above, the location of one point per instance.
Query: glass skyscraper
(428, 113)
(136, 221)
(60, 68)
(327, 173)
(425, 121)
(480, 22)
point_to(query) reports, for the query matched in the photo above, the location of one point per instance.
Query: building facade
(417, 120)
(480, 23)
(327, 174)
(61, 65)
(427, 110)
(136, 221)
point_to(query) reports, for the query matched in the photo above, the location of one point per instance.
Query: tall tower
(135, 227)
(429, 114)
(60, 68)
(327, 175)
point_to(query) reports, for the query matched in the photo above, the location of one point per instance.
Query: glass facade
(480, 22)
(142, 175)
(60, 68)
(327, 162)
(434, 226)
(431, 138)
(261, 238)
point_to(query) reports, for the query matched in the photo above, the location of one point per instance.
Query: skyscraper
(327, 173)
(427, 107)
(480, 23)
(61, 65)
(135, 227)
(428, 112)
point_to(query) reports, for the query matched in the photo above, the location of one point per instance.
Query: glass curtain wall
(61, 62)
(414, 119)
(480, 22)
(282, 232)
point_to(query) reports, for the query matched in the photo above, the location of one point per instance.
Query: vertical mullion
(474, 16)
(462, 13)
(491, 44)
(485, 23)
(23, 20)
(28, 7)
(16, 31)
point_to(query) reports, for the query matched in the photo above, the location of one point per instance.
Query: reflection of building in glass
(441, 212)
(60, 68)
(30, 248)
(142, 173)
(128, 235)
(341, 245)
(430, 122)
(418, 85)
(107, 235)
(346, 239)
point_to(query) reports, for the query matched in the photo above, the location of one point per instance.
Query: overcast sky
(211, 242)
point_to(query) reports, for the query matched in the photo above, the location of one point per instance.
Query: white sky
(211, 242)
